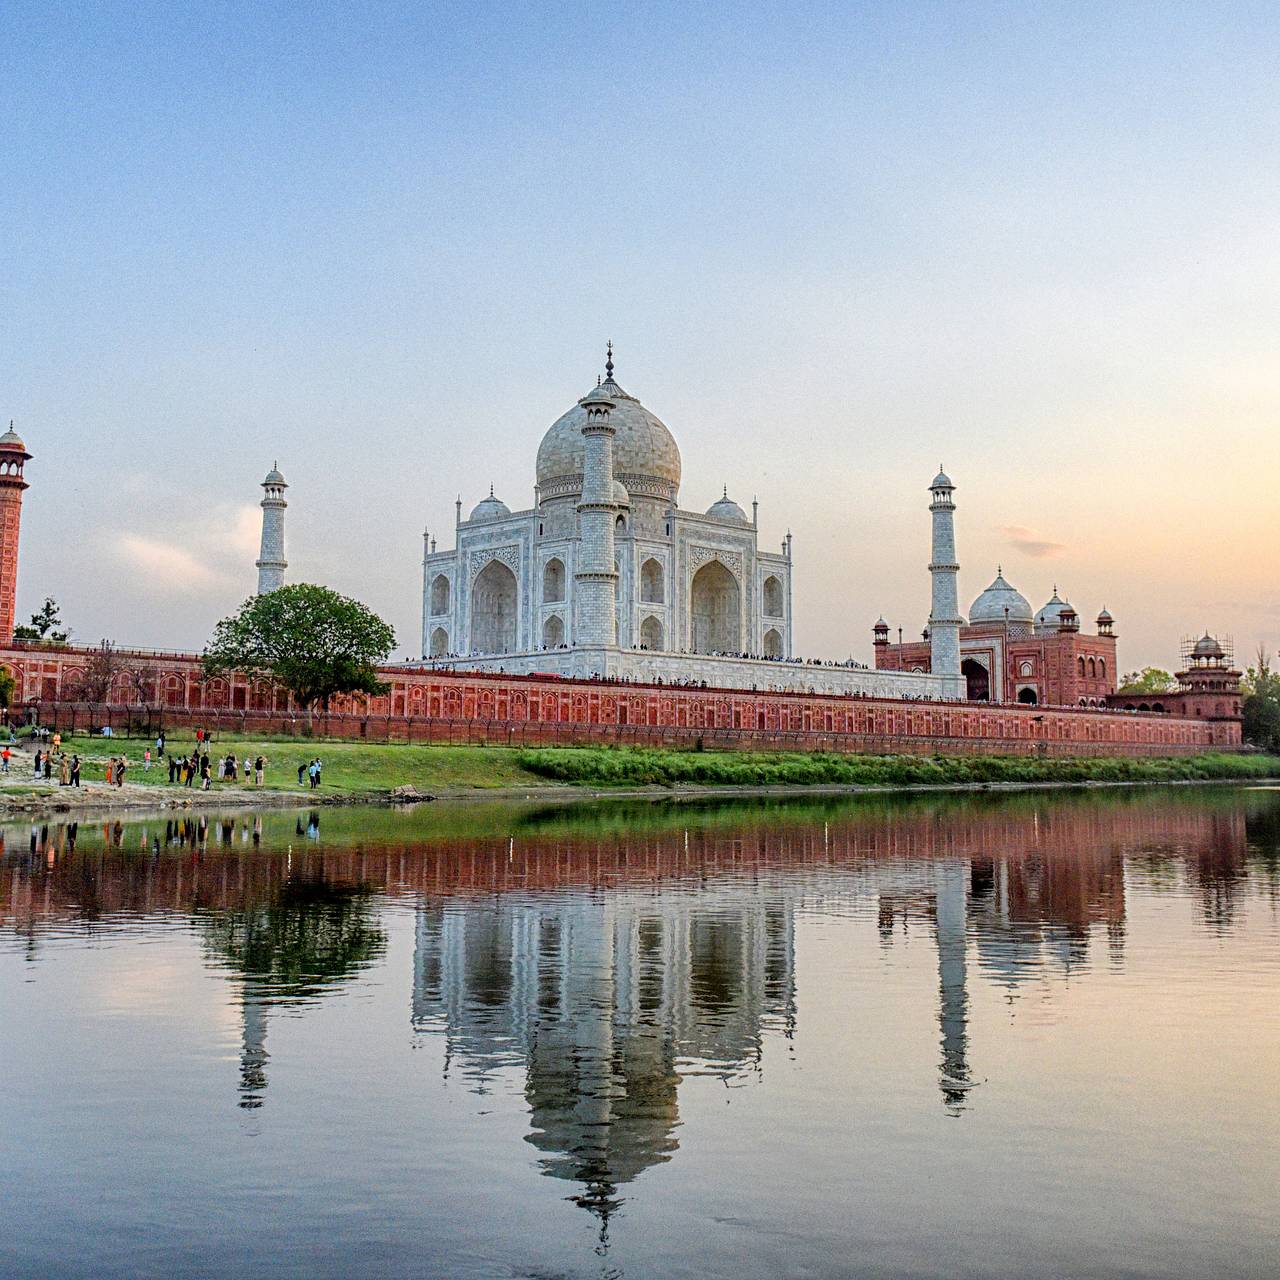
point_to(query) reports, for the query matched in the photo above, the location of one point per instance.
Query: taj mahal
(606, 575)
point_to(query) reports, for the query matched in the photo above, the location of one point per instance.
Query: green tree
(8, 687)
(1260, 708)
(1148, 680)
(45, 625)
(312, 641)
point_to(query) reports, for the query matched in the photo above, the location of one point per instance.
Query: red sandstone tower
(13, 453)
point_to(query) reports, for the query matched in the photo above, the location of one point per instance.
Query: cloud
(1025, 540)
(166, 566)
(217, 555)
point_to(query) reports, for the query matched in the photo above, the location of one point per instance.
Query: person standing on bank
(75, 770)
(173, 769)
(259, 766)
(64, 770)
(37, 764)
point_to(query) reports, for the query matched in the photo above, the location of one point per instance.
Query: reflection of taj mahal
(599, 998)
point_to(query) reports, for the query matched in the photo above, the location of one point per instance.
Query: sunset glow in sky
(834, 245)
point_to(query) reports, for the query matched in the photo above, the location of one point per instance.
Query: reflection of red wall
(532, 708)
(1065, 861)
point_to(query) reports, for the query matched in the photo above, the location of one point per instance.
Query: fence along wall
(448, 707)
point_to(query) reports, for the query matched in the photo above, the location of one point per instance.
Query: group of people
(184, 770)
(196, 767)
(45, 762)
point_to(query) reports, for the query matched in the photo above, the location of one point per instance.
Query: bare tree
(94, 683)
(144, 681)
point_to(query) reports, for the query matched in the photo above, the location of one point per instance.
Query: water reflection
(601, 998)
(604, 955)
(308, 936)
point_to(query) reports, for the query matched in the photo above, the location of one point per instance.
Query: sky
(834, 245)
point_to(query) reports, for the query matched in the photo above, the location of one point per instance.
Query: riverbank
(368, 772)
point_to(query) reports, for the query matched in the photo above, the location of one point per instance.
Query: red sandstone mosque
(1031, 682)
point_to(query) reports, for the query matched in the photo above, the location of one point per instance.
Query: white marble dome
(490, 508)
(990, 606)
(724, 508)
(645, 456)
(1051, 615)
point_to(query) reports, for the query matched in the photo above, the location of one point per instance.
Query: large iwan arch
(715, 607)
(493, 610)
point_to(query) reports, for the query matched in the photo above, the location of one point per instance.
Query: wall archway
(553, 632)
(439, 642)
(773, 643)
(652, 586)
(773, 602)
(493, 609)
(651, 633)
(977, 681)
(1028, 697)
(715, 608)
(553, 582)
(439, 594)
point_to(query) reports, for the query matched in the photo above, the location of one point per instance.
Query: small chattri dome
(1049, 617)
(620, 494)
(1104, 616)
(12, 440)
(274, 478)
(724, 508)
(490, 508)
(941, 480)
(1208, 647)
(1000, 602)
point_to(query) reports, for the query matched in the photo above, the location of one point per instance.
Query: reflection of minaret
(950, 917)
(253, 1048)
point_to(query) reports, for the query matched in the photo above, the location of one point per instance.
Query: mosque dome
(645, 455)
(724, 508)
(490, 508)
(1051, 615)
(990, 606)
(1208, 647)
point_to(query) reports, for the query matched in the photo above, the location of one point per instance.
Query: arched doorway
(772, 644)
(439, 594)
(651, 633)
(439, 642)
(772, 598)
(977, 681)
(716, 611)
(493, 610)
(553, 582)
(553, 632)
(651, 586)
(1028, 696)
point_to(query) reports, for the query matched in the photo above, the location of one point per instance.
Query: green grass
(369, 769)
(350, 768)
(640, 767)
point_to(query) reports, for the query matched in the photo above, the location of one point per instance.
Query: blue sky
(833, 245)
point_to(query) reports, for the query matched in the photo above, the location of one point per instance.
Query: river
(1027, 1035)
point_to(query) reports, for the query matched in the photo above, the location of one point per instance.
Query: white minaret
(271, 561)
(944, 617)
(596, 576)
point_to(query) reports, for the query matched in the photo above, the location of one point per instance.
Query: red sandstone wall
(458, 707)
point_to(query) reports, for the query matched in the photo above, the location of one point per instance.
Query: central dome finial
(608, 359)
